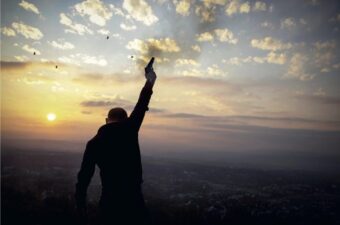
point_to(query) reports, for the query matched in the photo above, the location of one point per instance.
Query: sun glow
(51, 116)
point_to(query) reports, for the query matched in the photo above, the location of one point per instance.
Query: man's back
(115, 150)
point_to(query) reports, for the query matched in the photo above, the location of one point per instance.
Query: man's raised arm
(141, 107)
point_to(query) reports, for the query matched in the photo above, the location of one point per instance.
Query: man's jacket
(115, 150)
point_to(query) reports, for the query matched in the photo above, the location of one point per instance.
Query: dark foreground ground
(37, 188)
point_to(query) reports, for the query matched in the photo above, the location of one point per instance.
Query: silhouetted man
(115, 150)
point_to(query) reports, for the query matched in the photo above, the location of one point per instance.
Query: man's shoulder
(117, 127)
(94, 140)
(111, 130)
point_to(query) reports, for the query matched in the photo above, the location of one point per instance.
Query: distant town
(38, 186)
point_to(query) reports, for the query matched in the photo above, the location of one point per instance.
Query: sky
(233, 75)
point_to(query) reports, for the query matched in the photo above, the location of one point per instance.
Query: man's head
(116, 115)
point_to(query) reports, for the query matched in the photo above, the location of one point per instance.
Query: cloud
(233, 61)
(260, 6)
(214, 70)
(324, 58)
(288, 23)
(288, 128)
(320, 98)
(297, 68)
(164, 45)
(99, 60)
(138, 45)
(79, 58)
(89, 77)
(336, 66)
(153, 48)
(21, 58)
(62, 45)
(302, 21)
(269, 43)
(74, 28)
(103, 31)
(271, 57)
(192, 72)
(196, 48)
(319, 92)
(181, 61)
(206, 12)
(206, 36)
(248, 119)
(98, 103)
(141, 11)
(237, 61)
(245, 7)
(27, 31)
(223, 35)
(182, 7)
(235, 6)
(213, 2)
(117, 101)
(117, 11)
(335, 19)
(206, 9)
(86, 112)
(9, 65)
(99, 79)
(325, 45)
(68, 60)
(29, 7)
(116, 35)
(232, 7)
(319, 56)
(7, 31)
(108, 102)
(31, 50)
(185, 116)
(127, 28)
(257, 59)
(96, 10)
(276, 58)
(267, 24)
(32, 65)
(324, 55)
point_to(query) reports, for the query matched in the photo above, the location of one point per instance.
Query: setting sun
(51, 117)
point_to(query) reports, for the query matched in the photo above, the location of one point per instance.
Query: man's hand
(150, 75)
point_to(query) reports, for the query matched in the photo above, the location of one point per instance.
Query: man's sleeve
(84, 176)
(141, 107)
